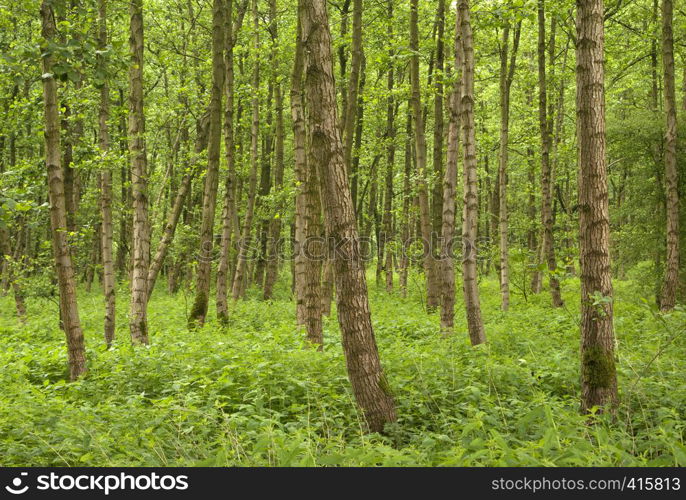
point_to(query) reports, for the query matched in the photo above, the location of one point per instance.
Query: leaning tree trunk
(598, 376)
(432, 296)
(546, 170)
(106, 185)
(470, 199)
(168, 232)
(76, 349)
(369, 384)
(671, 278)
(138, 318)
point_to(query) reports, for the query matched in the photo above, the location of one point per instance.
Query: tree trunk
(432, 296)
(438, 186)
(369, 384)
(671, 278)
(470, 199)
(350, 117)
(76, 349)
(239, 279)
(598, 375)
(209, 204)
(404, 261)
(168, 232)
(272, 270)
(449, 192)
(309, 250)
(546, 170)
(106, 185)
(138, 318)
(387, 233)
(507, 69)
(229, 212)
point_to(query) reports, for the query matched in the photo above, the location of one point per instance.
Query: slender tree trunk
(671, 277)
(106, 185)
(546, 170)
(432, 296)
(370, 386)
(387, 236)
(138, 318)
(598, 375)
(437, 187)
(229, 212)
(507, 70)
(168, 232)
(239, 280)
(76, 350)
(404, 261)
(272, 270)
(309, 250)
(202, 287)
(449, 191)
(350, 118)
(470, 199)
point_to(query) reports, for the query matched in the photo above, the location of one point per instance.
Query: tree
(507, 70)
(274, 231)
(368, 381)
(239, 279)
(450, 190)
(106, 183)
(76, 349)
(470, 198)
(671, 277)
(546, 169)
(138, 317)
(202, 287)
(309, 250)
(598, 375)
(420, 158)
(229, 212)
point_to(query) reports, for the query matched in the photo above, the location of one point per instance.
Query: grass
(252, 393)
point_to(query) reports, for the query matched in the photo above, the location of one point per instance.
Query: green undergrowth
(252, 393)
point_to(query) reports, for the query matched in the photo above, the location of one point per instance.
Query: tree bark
(370, 386)
(671, 277)
(546, 170)
(598, 375)
(309, 250)
(106, 185)
(470, 199)
(432, 296)
(449, 191)
(239, 279)
(76, 350)
(229, 212)
(272, 270)
(387, 235)
(209, 204)
(507, 70)
(138, 318)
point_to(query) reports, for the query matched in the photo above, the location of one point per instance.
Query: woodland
(342, 232)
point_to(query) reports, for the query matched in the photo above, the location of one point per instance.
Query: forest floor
(253, 394)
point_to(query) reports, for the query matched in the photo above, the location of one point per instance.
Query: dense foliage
(249, 394)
